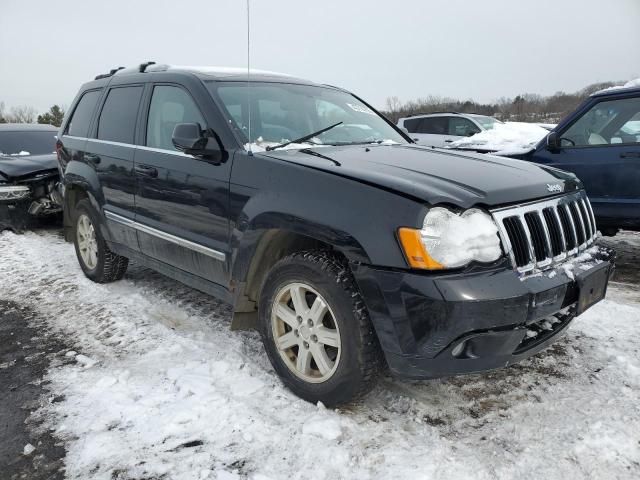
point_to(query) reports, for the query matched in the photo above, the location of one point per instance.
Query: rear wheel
(96, 260)
(316, 329)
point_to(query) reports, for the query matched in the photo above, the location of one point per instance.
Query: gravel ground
(142, 380)
(26, 352)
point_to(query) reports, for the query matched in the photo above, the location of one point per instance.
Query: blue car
(600, 143)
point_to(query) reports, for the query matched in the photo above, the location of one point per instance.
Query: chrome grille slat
(575, 209)
(572, 225)
(593, 218)
(547, 237)
(532, 239)
(587, 217)
(527, 234)
(554, 209)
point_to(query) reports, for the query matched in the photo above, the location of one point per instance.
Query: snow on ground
(162, 389)
(510, 138)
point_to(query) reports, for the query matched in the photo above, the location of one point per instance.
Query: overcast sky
(482, 49)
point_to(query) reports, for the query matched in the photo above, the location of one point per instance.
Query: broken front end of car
(28, 198)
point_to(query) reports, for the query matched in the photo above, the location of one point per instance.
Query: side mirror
(190, 138)
(405, 131)
(553, 142)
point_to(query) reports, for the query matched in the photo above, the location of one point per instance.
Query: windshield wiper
(303, 139)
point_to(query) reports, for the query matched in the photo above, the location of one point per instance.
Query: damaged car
(29, 175)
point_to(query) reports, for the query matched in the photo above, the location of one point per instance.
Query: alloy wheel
(87, 242)
(305, 332)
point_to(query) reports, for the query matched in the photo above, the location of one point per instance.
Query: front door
(602, 147)
(182, 201)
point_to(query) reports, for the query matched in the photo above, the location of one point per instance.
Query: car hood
(436, 175)
(21, 166)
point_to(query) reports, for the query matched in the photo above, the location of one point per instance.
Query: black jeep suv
(324, 226)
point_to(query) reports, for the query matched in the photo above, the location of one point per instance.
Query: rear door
(430, 131)
(602, 147)
(110, 150)
(182, 201)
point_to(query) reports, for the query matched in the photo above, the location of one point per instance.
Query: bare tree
(22, 114)
(2, 119)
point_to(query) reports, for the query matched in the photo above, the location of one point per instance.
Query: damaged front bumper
(435, 325)
(27, 200)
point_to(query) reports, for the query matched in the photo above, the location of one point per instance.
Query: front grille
(542, 233)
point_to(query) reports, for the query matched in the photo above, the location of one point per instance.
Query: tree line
(27, 114)
(526, 107)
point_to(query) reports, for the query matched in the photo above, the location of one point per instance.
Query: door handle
(630, 155)
(448, 141)
(146, 171)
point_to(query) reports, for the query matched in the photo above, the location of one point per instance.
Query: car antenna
(249, 70)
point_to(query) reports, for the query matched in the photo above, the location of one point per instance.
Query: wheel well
(72, 195)
(273, 245)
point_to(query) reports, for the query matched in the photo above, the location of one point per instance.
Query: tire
(105, 266)
(341, 374)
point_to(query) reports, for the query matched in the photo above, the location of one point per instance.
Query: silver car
(442, 128)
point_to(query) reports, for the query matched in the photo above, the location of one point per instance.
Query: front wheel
(316, 329)
(96, 260)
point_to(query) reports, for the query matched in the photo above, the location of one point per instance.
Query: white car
(441, 129)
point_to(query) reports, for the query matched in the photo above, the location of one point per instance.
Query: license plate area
(592, 286)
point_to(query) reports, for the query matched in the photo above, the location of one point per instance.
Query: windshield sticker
(361, 109)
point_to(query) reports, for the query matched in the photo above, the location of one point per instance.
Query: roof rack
(143, 66)
(107, 75)
(141, 69)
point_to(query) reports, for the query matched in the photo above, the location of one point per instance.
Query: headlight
(13, 192)
(451, 240)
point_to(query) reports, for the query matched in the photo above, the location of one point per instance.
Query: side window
(81, 117)
(462, 127)
(608, 122)
(118, 117)
(411, 124)
(434, 125)
(169, 106)
(629, 132)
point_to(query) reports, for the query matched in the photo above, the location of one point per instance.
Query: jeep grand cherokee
(324, 226)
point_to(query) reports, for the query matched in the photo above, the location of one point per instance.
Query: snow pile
(584, 261)
(511, 138)
(28, 449)
(174, 394)
(630, 84)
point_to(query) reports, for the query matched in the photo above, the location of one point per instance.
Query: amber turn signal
(414, 251)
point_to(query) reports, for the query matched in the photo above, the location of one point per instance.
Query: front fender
(248, 237)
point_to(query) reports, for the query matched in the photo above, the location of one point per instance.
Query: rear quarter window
(82, 114)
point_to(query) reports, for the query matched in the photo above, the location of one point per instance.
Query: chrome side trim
(164, 151)
(131, 145)
(196, 247)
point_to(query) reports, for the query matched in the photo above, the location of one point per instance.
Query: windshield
(282, 112)
(27, 143)
(487, 123)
